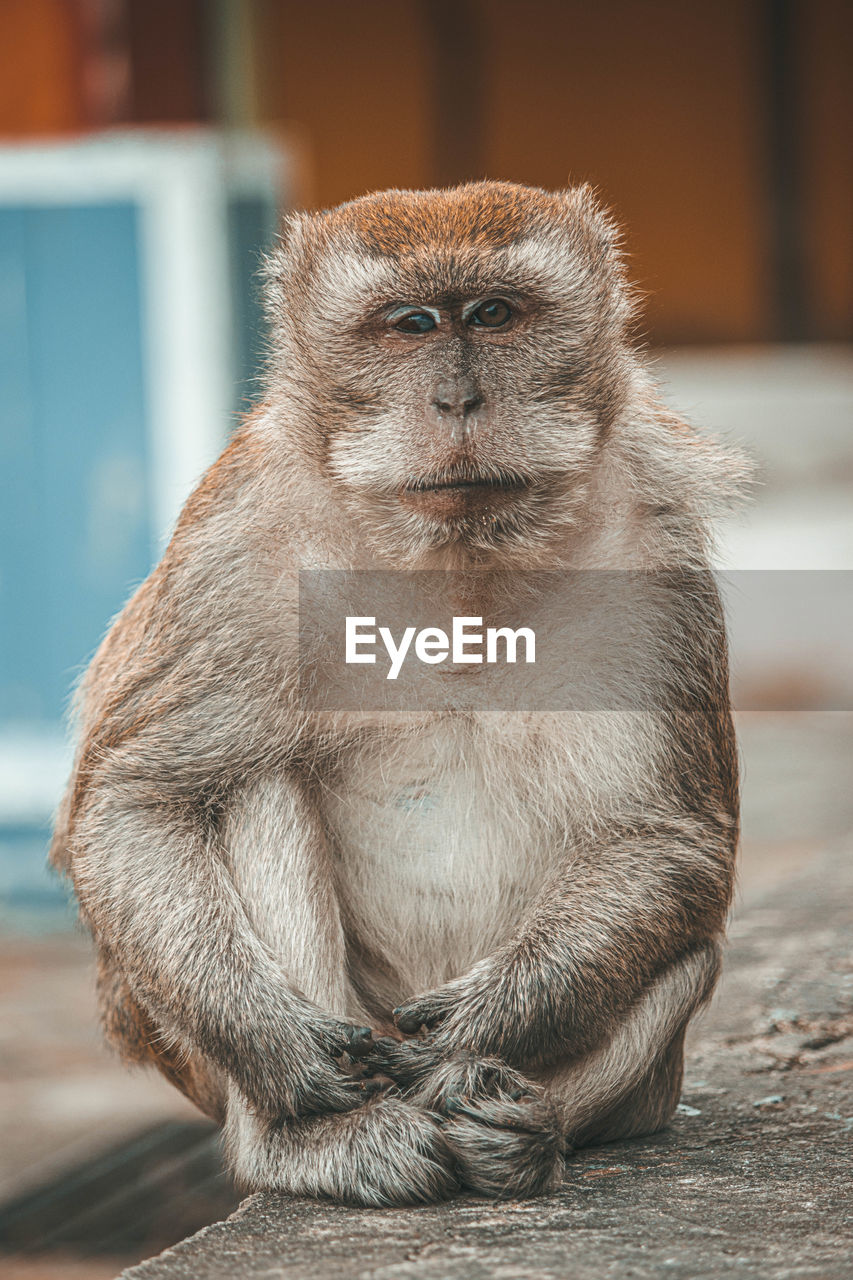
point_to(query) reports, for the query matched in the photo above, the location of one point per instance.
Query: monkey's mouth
(455, 492)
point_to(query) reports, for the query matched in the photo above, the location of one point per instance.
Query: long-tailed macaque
(386, 1002)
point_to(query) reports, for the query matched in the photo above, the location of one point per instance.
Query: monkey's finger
(376, 1084)
(343, 1037)
(359, 1042)
(412, 1020)
(406, 1061)
(395, 1050)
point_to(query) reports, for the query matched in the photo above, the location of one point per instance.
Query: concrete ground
(752, 1178)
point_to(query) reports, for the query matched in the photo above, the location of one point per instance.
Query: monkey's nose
(457, 398)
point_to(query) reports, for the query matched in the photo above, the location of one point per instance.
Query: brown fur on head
(462, 432)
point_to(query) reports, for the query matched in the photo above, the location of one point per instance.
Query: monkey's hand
(469, 1015)
(332, 1072)
(444, 1083)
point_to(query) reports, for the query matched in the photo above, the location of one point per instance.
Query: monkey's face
(465, 357)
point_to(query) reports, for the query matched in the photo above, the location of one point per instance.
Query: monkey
(380, 1007)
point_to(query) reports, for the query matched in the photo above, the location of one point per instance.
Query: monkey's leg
(645, 1109)
(280, 866)
(155, 883)
(130, 1029)
(384, 1153)
(631, 1084)
(616, 916)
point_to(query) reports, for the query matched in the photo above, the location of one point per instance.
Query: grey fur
(240, 861)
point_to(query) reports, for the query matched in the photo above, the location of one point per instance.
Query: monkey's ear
(287, 264)
(594, 237)
(584, 206)
(293, 237)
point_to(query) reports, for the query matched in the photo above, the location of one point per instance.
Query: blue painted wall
(76, 531)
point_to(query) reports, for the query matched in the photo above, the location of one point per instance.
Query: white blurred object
(129, 318)
(792, 408)
(185, 184)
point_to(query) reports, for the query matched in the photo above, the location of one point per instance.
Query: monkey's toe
(505, 1148)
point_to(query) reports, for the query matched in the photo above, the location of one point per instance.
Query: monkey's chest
(435, 865)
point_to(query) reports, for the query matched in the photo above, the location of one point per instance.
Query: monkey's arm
(185, 702)
(619, 914)
(152, 880)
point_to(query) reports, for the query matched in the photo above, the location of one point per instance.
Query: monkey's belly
(434, 870)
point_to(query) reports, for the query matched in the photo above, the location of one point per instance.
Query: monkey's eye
(491, 314)
(413, 321)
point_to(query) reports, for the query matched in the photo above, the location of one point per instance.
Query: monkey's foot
(463, 1078)
(505, 1147)
(396, 1155)
(385, 1154)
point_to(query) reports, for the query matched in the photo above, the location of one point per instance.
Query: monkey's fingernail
(376, 1084)
(408, 1022)
(360, 1041)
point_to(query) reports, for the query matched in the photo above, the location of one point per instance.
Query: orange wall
(652, 103)
(828, 155)
(661, 103)
(353, 77)
(40, 85)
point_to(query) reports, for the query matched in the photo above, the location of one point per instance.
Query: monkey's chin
(462, 502)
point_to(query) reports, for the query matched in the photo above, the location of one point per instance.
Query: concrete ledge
(753, 1178)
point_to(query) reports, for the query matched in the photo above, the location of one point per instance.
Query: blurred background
(147, 148)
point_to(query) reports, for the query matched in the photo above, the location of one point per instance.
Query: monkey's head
(452, 360)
